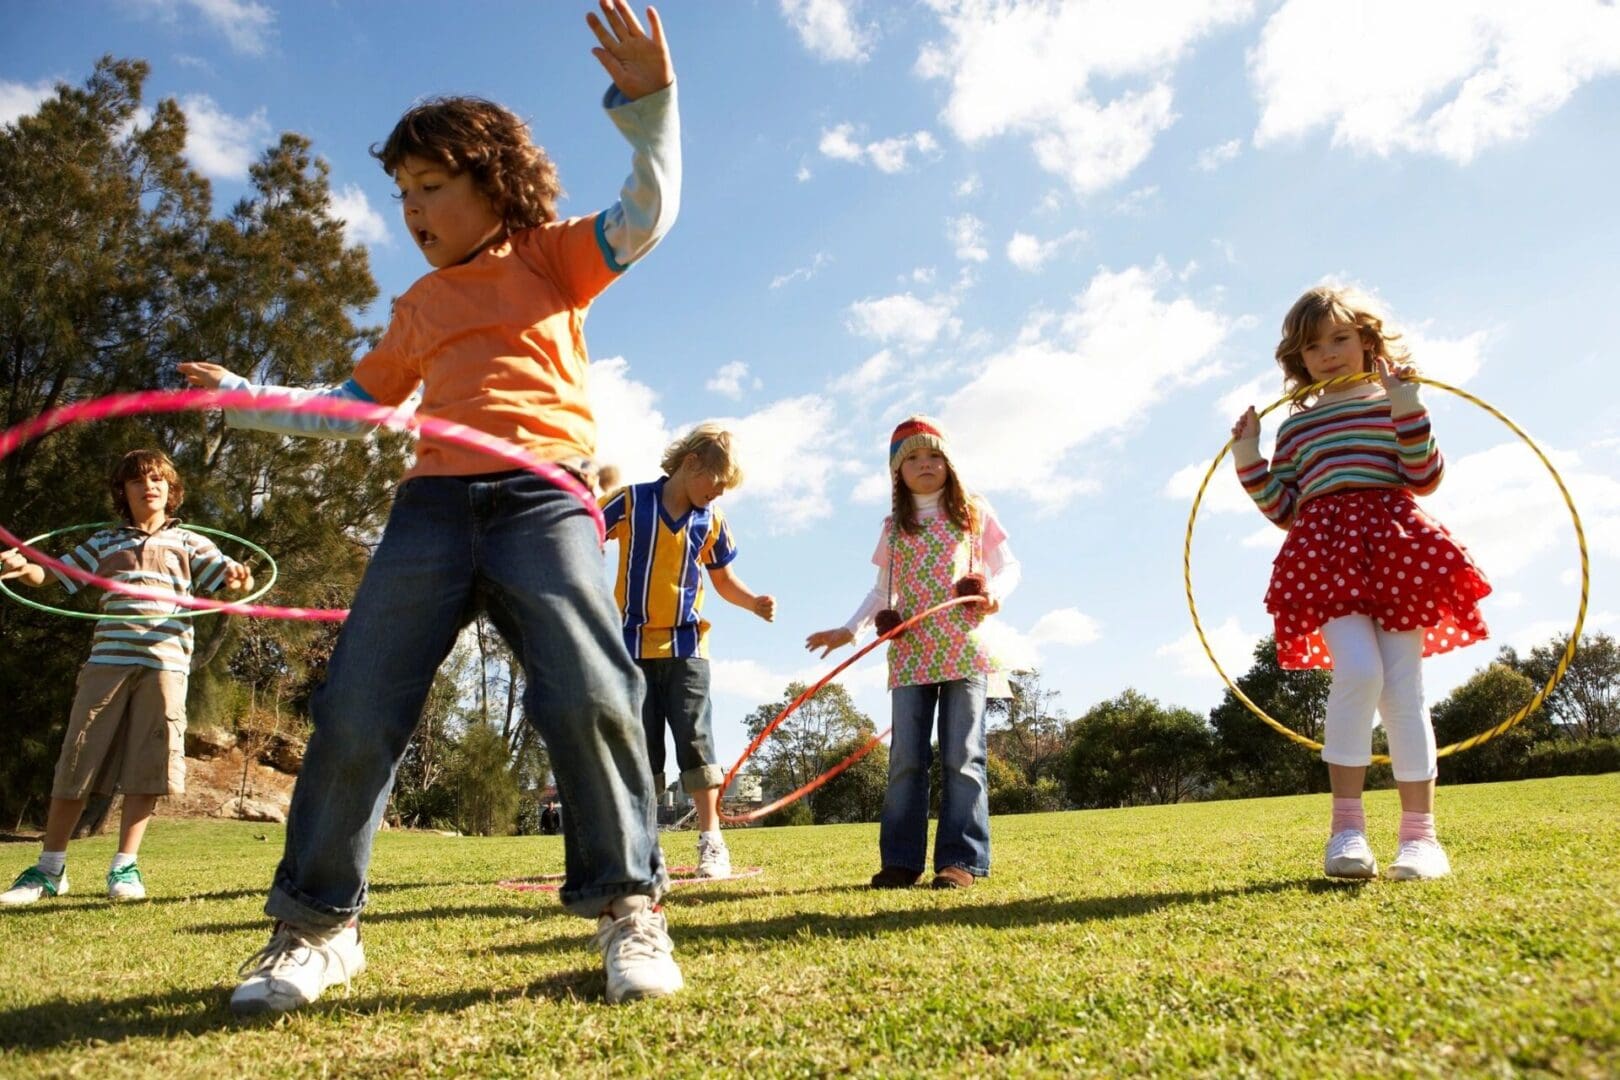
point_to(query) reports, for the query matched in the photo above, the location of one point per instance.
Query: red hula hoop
(866, 748)
(169, 401)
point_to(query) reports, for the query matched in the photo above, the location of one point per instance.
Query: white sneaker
(34, 884)
(126, 883)
(1348, 856)
(296, 967)
(1419, 860)
(714, 858)
(636, 951)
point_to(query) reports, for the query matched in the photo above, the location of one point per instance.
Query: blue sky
(1069, 230)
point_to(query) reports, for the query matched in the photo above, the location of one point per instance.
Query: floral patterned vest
(923, 569)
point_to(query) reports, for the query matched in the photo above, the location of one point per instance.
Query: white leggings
(1377, 669)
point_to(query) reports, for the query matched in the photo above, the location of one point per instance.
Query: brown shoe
(953, 877)
(895, 877)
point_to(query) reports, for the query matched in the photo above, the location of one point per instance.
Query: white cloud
(728, 380)
(1095, 370)
(20, 99)
(967, 234)
(968, 185)
(1137, 202)
(219, 144)
(1213, 157)
(1454, 362)
(872, 373)
(828, 28)
(361, 224)
(1066, 626)
(1449, 79)
(1233, 647)
(904, 320)
(630, 430)
(246, 25)
(1030, 253)
(803, 174)
(1027, 68)
(1222, 495)
(891, 155)
(802, 273)
(786, 453)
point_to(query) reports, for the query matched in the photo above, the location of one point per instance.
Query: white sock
(712, 837)
(121, 860)
(53, 862)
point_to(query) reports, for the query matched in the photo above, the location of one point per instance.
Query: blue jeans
(527, 554)
(678, 696)
(963, 836)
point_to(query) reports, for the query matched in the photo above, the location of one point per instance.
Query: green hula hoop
(184, 613)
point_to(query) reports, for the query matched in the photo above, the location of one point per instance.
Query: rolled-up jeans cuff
(702, 778)
(286, 904)
(592, 902)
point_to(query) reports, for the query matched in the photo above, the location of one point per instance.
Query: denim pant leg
(412, 602)
(963, 836)
(903, 833)
(540, 568)
(652, 719)
(691, 724)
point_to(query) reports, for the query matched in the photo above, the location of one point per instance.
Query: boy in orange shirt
(494, 339)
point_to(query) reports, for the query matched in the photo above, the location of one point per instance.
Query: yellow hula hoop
(1574, 517)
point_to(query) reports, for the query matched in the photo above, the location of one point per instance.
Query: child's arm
(1268, 488)
(642, 105)
(215, 377)
(999, 560)
(733, 591)
(1422, 467)
(865, 615)
(13, 567)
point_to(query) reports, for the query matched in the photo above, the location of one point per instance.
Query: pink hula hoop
(170, 401)
(860, 752)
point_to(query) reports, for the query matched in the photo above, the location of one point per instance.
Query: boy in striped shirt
(668, 532)
(128, 724)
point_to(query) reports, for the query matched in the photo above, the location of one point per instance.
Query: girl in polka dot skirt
(939, 542)
(1366, 582)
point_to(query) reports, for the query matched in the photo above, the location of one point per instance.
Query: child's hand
(12, 564)
(828, 640)
(765, 607)
(1247, 426)
(206, 376)
(991, 605)
(638, 65)
(1398, 387)
(238, 577)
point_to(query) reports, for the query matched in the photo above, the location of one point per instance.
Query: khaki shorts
(127, 733)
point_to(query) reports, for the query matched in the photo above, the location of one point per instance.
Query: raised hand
(1247, 426)
(207, 376)
(638, 63)
(238, 577)
(765, 607)
(1398, 386)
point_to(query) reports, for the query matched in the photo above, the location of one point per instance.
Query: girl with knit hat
(939, 542)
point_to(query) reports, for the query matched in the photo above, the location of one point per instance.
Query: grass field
(1194, 939)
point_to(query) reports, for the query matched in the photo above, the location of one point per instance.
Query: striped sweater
(1348, 444)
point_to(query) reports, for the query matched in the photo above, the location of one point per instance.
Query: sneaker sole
(1356, 873)
(646, 994)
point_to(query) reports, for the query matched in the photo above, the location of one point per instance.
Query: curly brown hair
(135, 465)
(1333, 304)
(472, 135)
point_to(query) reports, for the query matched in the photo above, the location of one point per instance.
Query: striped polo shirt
(661, 561)
(172, 558)
(1348, 444)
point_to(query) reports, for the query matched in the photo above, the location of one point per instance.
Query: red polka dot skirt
(1373, 553)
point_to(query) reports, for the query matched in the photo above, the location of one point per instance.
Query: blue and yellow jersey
(661, 563)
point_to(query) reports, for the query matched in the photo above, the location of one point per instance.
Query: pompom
(972, 585)
(887, 620)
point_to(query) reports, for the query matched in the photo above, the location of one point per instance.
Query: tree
(807, 744)
(486, 792)
(1030, 736)
(1251, 758)
(856, 794)
(1485, 700)
(1586, 702)
(1132, 751)
(115, 272)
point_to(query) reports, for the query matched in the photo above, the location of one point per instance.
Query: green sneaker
(34, 884)
(125, 883)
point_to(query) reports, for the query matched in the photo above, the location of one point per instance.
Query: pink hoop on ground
(866, 748)
(688, 876)
(170, 401)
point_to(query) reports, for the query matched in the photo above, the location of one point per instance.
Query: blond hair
(712, 445)
(1333, 304)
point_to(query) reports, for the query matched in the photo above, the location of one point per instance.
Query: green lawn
(1193, 939)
